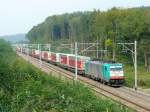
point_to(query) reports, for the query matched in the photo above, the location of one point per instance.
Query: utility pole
(135, 59)
(76, 60)
(21, 48)
(39, 49)
(49, 54)
(97, 47)
(28, 52)
(49, 47)
(71, 48)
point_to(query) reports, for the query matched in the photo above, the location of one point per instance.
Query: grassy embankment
(24, 88)
(143, 76)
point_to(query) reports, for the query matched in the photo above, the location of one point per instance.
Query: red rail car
(80, 62)
(54, 57)
(64, 59)
(18, 49)
(45, 55)
(36, 53)
(24, 50)
(33, 53)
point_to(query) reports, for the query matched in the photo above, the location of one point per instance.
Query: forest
(105, 27)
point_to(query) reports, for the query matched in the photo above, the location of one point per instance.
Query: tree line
(106, 27)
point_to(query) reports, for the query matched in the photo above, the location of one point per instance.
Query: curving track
(129, 97)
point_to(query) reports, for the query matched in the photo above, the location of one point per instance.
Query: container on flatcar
(25, 50)
(45, 55)
(30, 52)
(36, 53)
(64, 59)
(54, 57)
(33, 52)
(49, 56)
(18, 49)
(80, 62)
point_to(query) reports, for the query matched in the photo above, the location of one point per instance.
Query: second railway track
(130, 98)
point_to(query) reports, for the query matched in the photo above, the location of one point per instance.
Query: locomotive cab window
(116, 69)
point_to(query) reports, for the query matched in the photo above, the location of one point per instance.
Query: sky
(19, 16)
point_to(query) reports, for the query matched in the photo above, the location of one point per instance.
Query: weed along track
(128, 97)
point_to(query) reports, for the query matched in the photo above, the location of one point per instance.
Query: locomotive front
(116, 74)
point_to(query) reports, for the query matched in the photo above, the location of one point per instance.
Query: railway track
(133, 99)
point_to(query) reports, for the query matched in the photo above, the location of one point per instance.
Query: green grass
(143, 77)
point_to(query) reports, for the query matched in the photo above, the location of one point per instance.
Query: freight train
(107, 72)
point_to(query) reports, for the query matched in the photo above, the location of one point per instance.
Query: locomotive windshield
(116, 69)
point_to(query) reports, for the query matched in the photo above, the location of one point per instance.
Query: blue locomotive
(110, 73)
